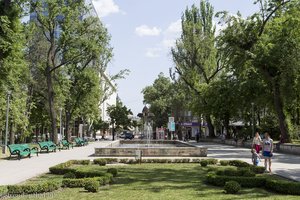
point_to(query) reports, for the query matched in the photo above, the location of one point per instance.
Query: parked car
(126, 135)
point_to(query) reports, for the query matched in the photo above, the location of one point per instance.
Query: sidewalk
(285, 165)
(15, 171)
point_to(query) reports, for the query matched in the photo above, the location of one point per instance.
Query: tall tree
(268, 41)
(14, 71)
(195, 55)
(74, 38)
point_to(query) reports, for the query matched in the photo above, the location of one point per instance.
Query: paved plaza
(14, 171)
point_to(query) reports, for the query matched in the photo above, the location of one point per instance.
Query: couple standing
(266, 145)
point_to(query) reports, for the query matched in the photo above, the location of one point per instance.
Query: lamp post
(7, 117)
(253, 120)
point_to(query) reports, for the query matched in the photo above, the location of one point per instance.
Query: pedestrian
(267, 148)
(256, 143)
(197, 136)
(255, 157)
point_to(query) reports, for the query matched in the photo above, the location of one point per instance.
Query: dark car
(127, 135)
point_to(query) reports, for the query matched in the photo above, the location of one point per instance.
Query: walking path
(14, 171)
(285, 165)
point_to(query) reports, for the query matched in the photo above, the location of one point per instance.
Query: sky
(142, 34)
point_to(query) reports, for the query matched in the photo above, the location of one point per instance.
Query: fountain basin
(164, 148)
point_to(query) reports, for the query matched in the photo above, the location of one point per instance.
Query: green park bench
(47, 146)
(21, 150)
(80, 142)
(66, 144)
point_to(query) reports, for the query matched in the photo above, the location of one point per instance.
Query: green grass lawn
(155, 182)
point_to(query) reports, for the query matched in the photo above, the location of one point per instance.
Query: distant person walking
(256, 143)
(267, 147)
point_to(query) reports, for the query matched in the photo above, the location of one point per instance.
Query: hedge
(80, 162)
(239, 163)
(113, 171)
(81, 182)
(100, 161)
(87, 174)
(283, 187)
(63, 168)
(92, 185)
(224, 162)
(33, 188)
(249, 182)
(245, 172)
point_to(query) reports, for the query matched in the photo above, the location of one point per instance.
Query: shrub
(239, 163)
(100, 161)
(74, 183)
(106, 179)
(92, 185)
(212, 161)
(177, 161)
(33, 188)
(283, 187)
(113, 171)
(232, 187)
(257, 169)
(224, 162)
(123, 160)
(195, 160)
(111, 160)
(70, 175)
(249, 182)
(81, 162)
(87, 174)
(3, 190)
(203, 163)
(62, 168)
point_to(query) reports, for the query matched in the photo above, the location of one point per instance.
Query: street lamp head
(9, 92)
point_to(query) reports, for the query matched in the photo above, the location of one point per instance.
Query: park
(106, 99)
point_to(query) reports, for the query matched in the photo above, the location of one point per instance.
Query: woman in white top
(256, 143)
(267, 148)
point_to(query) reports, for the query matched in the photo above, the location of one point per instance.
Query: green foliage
(243, 172)
(224, 162)
(203, 163)
(249, 182)
(92, 186)
(70, 175)
(119, 116)
(232, 187)
(283, 187)
(37, 188)
(100, 161)
(239, 163)
(113, 171)
(212, 161)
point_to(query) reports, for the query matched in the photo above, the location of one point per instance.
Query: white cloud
(145, 30)
(174, 28)
(153, 52)
(168, 43)
(106, 7)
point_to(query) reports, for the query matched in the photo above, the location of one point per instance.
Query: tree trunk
(52, 111)
(210, 126)
(280, 113)
(226, 124)
(68, 129)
